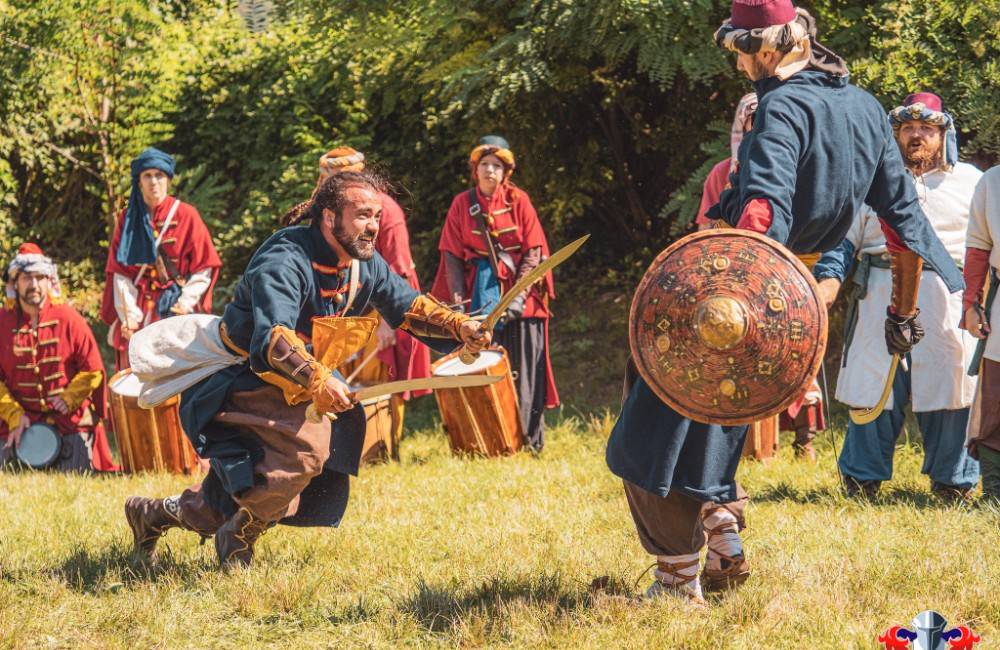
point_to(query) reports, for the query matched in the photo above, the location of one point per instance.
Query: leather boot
(803, 445)
(149, 520)
(952, 494)
(863, 489)
(235, 539)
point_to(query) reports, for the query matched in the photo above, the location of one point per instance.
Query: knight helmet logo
(928, 633)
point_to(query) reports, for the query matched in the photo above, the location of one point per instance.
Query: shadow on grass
(440, 608)
(115, 567)
(889, 495)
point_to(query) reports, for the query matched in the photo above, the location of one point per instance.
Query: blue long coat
(819, 148)
(291, 279)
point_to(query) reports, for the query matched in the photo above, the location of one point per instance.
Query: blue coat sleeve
(894, 200)
(835, 263)
(280, 284)
(769, 170)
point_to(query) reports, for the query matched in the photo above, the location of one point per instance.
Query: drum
(762, 440)
(482, 420)
(40, 445)
(381, 430)
(149, 440)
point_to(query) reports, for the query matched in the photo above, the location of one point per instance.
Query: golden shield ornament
(727, 327)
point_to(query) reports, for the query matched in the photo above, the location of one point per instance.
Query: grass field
(443, 551)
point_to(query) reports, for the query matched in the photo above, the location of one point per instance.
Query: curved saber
(864, 416)
(524, 283)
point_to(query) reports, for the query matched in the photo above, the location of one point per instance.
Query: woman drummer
(492, 237)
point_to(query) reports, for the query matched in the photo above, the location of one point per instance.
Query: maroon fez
(929, 100)
(757, 14)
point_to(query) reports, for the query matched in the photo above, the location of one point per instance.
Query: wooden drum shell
(381, 426)
(150, 440)
(762, 439)
(482, 420)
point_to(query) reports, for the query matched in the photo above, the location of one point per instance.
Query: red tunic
(519, 230)
(718, 180)
(37, 365)
(408, 359)
(187, 244)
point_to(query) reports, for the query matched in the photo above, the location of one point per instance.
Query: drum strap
(476, 212)
(159, 239)
(353, 282)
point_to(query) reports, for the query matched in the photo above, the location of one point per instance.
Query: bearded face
(920, 145)
(33, 288)
(356, 227)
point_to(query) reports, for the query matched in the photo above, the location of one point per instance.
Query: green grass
(444, 551)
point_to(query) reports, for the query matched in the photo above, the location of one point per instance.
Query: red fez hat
(28, 248)
(929, 100)
(757, 14)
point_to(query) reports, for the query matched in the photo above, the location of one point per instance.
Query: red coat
(718, 180)
(408, 359)
(37, 365)
(187, 244)
(519, 230)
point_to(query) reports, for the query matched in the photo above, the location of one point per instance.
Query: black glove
(514, 309)
(902, 332)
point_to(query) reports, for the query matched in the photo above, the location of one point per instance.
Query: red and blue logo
(929, 633)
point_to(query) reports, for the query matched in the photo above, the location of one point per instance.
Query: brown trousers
(294, 453)
(671, 525)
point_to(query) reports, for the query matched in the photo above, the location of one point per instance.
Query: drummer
(51, 373)
(492, 238)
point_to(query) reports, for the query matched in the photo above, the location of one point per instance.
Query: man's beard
(32, 297)
(359, 247)
(920, 157)
(758, 70)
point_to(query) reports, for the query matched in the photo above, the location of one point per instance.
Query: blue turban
(927, 107)
(138, 245)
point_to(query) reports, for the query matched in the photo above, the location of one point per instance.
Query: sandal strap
(674, 569)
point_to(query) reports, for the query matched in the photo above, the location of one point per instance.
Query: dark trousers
(671, 525)
(524, 341)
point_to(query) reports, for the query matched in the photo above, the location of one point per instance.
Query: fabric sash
(171, 355)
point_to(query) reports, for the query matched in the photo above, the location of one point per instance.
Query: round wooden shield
(727, 327)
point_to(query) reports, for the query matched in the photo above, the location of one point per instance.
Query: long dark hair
(330, 195)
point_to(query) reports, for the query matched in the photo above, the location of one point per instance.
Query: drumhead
(455, 367)
(127, 385)
(39, 446)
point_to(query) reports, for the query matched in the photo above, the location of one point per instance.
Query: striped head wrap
(341, 159)
(793, 38)
(927, 107)
(31, 259)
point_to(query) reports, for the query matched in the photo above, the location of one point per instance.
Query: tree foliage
(616, 109)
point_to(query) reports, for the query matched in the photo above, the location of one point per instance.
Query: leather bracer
(906, 269)
(429, 317)
(296, 372)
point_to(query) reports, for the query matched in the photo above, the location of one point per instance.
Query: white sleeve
(855, 234)
(126, 298)
(196, 286)
(978, 235)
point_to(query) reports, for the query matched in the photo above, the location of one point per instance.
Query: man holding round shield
(819, 149)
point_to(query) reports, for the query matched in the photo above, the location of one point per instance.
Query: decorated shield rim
(814, 363)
